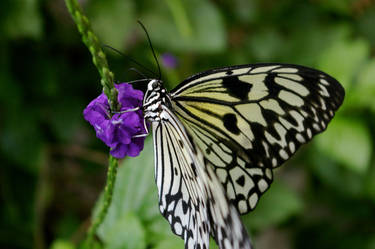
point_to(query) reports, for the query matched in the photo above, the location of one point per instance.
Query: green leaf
(62, 244)
(22, 141)
(366, 78)
(338, 6)
(371, 244)
(362, 95)
(134, 193)
(112, 21)
(246, 11)
(266, 45)
(159, 229)
(68, 121)
(370, 183)
(213, 244)
(194, 25)
(336, 177)
(173, 242)
(343, 59)
(23, 19)
(127, 232)
(366, 24)
(275, 207)
(348, 141)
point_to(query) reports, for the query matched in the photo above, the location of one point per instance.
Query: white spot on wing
(258, 89)
(323, 91)
(309, 134)
(254, 171)
(298, 118)
(263, 69)
(285, 70)
(272, 105)
(222, 174)
(241, 162)
(252, 113)
(269, 174)
(262, 185)
(242, 205)
(177, 228)
(316, 127)
(210, 76)
(283, 154)
(253, 200)
(324, 82)
(300, 138)
(274, 162)
(230, 191)
(292, 147)
(236, 173)
(291, 98)
(305, 114)
(293, 86)
(241, 71)
(295, 77)
(323, 124)
(266, 147)
(281, 131)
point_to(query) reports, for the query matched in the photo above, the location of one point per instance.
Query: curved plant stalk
(98, 56)
(100, 61)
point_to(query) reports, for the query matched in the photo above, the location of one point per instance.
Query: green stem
(108, 193)
(98, 56)
(100, 61)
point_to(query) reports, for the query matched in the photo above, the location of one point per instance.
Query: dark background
(53, 168)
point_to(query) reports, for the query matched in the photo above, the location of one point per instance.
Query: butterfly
(218, 136)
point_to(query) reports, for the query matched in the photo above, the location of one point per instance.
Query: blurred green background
(53, 168)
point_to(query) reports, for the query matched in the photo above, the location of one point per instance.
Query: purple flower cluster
(118, 131)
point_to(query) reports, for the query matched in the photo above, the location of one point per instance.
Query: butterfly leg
(146, 129)
(144, 121)
(129, 110)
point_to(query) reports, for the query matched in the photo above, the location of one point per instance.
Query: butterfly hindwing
(250, 119)
(191, 197)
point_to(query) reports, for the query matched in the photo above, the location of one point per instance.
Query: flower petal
(119, 130)
(120, 150)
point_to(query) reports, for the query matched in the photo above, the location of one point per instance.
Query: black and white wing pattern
(250, 119)
(191, 197)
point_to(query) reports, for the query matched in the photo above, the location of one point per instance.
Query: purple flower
(118, 132)
(169, 60)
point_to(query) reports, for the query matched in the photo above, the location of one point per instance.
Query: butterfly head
(155, 97)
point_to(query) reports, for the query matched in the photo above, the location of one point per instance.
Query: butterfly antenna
(130, 59)
(152, 49)
(137, 71)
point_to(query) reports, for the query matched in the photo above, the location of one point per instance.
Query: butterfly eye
(155, 84)
(152, 85)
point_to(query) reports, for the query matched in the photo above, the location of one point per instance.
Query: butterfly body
(219, 135)
(155, 97)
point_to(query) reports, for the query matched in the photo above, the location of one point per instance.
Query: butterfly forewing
(249, 119)
(191, 197)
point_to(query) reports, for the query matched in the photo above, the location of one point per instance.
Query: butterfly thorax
(155, 98)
